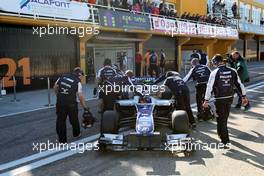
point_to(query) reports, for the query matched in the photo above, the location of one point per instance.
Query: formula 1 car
(153, 122)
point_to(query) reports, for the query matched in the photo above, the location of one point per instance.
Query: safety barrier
(13, 89)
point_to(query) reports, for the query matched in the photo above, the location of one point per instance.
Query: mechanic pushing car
(199, 73)
(222, 82)
(180, 91)
(104, 74)
(66, 89)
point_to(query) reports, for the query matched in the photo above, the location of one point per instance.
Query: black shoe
(193, 125)
(78, 136)
(247, 107)
(199, 118)
(238, 106)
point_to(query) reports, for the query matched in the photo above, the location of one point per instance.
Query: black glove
(88, 118)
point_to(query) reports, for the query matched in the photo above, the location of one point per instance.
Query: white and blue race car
(151, 123)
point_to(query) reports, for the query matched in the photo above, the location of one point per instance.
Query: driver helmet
(147, 99)
(172, 73)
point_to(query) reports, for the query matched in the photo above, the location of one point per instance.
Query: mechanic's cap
(172, 73)
(129, 73)
(235, 52)
(196, 55)
(195, 61)
(78, 71)
(107, 62)
(217, 59)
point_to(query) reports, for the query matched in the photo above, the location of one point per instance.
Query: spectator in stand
(105, 2)
(130, 4)
(92, 1)
(214, 5)
(138, 60)
(262, 21)
(222, 5)
(117, 4)
(141, 3)
(161, 6)
(183, 16)
(155, 9)
(188, 16)
(112, 3)
(166, 10)
(162, 10)
(147, 7)
(124, 4)
(173, 13)
(136, 7)
(197, 17)
(234, 10)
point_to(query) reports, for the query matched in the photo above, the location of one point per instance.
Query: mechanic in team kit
(222, 82)
(104, 74)
(67, 88)
(180, 91)
(199, 73)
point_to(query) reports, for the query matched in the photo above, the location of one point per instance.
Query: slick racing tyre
(180, 122)
(109, 123)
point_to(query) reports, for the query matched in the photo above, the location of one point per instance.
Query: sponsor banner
(124, 20)
(215, 31)
(220, 31)
(163, 24)
(230, 32)
(50, 8)
(203, 29)
(186, 28)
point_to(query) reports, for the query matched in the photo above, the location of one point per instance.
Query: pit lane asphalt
(18, 134)
(246, 156)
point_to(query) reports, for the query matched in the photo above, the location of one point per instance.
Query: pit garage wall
(239, 45)
(51, 55)
(251, 50)
(168, 44)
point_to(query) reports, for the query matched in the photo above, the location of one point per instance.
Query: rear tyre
(180, 122)
(109, 123)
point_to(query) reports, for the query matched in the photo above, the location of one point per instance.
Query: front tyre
(109, 122)
(180, 122)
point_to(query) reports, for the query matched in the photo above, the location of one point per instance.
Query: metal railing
(95, 18)
(95, 15)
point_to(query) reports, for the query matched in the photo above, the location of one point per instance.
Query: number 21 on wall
(12, 67)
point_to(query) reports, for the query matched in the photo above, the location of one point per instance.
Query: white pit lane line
(62, 155)
(36, 109)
